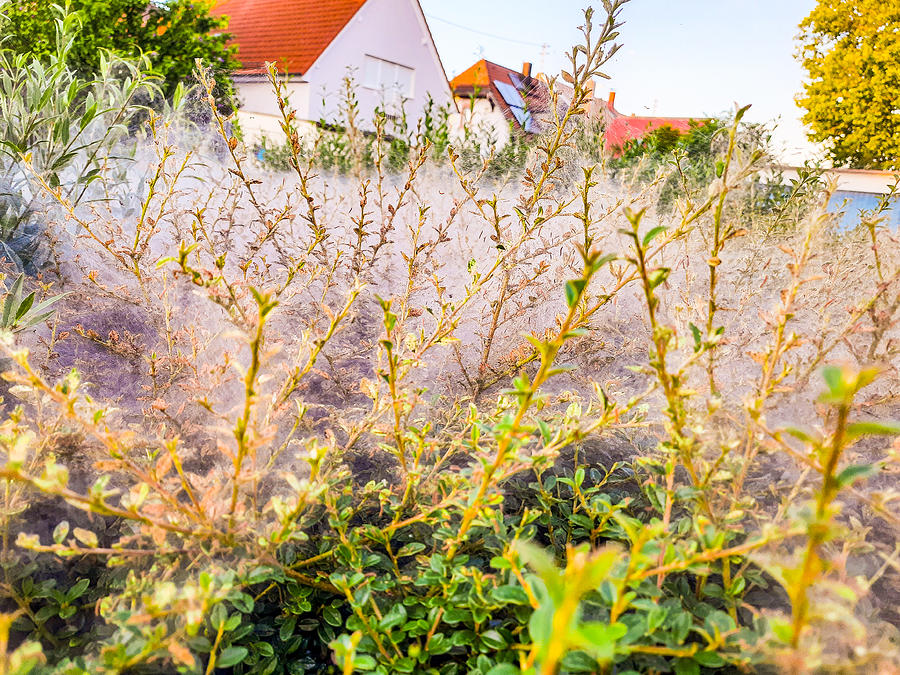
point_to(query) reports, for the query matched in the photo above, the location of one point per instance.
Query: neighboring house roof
(521, 98)
(292, 33)
(621, 128)
(529, 109)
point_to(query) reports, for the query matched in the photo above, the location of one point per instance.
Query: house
(856, 190)
(500, 100)
(621, 128)
(508, 101)
(385, 44)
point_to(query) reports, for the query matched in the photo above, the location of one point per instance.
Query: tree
(851, 52)
(172, 33)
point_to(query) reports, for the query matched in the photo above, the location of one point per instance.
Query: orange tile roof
(292, 33)
(478, 74)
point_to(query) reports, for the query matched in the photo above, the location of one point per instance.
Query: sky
(678, 58)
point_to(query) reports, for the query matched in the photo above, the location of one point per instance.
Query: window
(394, 80)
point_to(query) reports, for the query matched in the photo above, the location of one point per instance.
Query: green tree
(851, 52)
(172, 33)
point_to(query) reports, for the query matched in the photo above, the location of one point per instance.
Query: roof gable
(292, 33)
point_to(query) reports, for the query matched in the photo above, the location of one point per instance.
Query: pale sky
(679, 57)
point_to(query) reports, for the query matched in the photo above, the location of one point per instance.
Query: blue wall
(848, 205)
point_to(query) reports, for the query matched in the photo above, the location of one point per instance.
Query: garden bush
(428, 422)
(63, 126)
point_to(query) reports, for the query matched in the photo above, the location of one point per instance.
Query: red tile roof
(622, 128)
(292, 33)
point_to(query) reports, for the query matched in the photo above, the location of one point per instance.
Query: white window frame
(383, 76)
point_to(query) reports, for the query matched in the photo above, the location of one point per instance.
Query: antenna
(544, 51)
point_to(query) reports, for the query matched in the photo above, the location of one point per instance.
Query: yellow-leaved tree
(851, 52)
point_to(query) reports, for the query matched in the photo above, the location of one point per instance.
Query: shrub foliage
(171, 35)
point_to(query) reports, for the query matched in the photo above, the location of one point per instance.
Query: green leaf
(504, 669)
(698, 339)
(404, 665)
(493, 639)
(23, 308)
(719, 621)
(709, 659)
(510, 594)
(439, 644)
(78, 589)
(574, 289)
(599, 639)
(658, 276)
(680, 626)
(656, 617)
(686, 667)
(805, 435)
(540, 625)
(603, 260)
(833, 379)
(652, 234)
(855, 472)
(396, 615)
(286, 631)
(364, 662)
(579, 662)
(258, 575)
(11, 301)
(218, 616)
(331, 616)
(857, 429)
(231, 656)
(411, 549)
(243, 602)
(60, 532)
(45, 613)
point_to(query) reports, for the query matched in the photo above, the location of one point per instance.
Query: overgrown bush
(688, 164)
(694, 154)
(326, 424)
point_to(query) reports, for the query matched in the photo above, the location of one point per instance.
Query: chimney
(526, 69)
(590, 85)
(611, 104)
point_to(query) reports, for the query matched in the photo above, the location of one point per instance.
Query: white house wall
(259, 116)
(392, 30)
(257, 96)
(481, 118)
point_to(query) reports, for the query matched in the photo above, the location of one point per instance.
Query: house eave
(262, 75)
